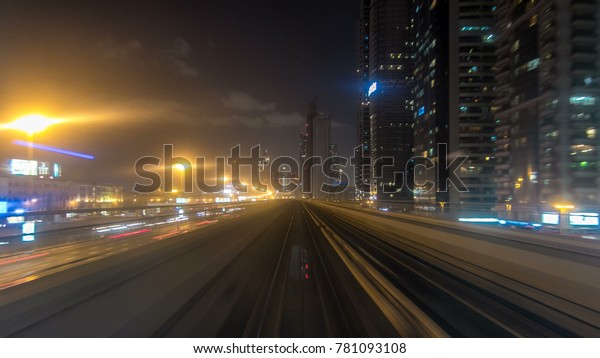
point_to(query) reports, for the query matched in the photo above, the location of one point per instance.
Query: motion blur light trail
(120, 236)
(6, 262)
(306, 269)
(53, 149)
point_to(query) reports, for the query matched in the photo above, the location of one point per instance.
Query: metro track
(294, 296)
(445, 290)
(71, 290)
(553, 248)
(292, 269)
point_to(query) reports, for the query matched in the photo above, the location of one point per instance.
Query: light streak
(53, 149)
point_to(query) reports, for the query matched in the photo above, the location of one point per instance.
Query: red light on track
(128, 234)
(7, 262)
(206, 222)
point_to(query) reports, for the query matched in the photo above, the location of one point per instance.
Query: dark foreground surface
(306, 269)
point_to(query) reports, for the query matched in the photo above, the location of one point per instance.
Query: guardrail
(580, 220)
(33, 226)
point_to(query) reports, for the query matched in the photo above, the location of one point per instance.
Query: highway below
(304, 269)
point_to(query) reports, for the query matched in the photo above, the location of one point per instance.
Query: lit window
(533, 21)
(516, 46)
(591, 133)
(583, 100)
(533, 64)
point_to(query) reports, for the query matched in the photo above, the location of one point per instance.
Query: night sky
(130, 76)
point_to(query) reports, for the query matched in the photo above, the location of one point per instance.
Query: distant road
(305, 269)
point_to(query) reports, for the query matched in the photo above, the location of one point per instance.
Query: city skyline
(198, 74)
(426, 75)
(360, 172)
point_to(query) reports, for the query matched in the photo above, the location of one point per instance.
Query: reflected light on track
(120, 236)
(30, 257)
(54, 150)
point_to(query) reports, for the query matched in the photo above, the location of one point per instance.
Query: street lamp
(31, 124)
(563, 209)
(442, 205)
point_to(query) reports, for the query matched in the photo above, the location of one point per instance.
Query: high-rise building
(301, 159)
(389, 95)
(264, 169)
(547, 107)
(362, 172)
(432, 93)
(315, 142)
(454, 83)
(335, 171)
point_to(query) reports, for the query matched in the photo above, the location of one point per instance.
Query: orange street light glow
(564, 206)
(31, 123)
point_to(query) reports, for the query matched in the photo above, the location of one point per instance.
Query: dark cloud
(182, 67)
(111, 49)
(181, 48)
(268, 121)
(178, 52)
(244, 102)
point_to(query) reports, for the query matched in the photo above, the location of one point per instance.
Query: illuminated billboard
(550, 218)
(34, 168)
(15, 219)
(23, 167)
(57, 171)
(583, 219)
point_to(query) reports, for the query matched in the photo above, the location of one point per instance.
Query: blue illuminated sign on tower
(372, 89)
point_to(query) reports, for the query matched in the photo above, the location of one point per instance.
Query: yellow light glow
(179, 167)
(564, 206)
(31, 123)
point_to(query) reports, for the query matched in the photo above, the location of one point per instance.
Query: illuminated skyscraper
(362, 172)
(547, 107)
(454, 83)
(315, 142)
(389, 95)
